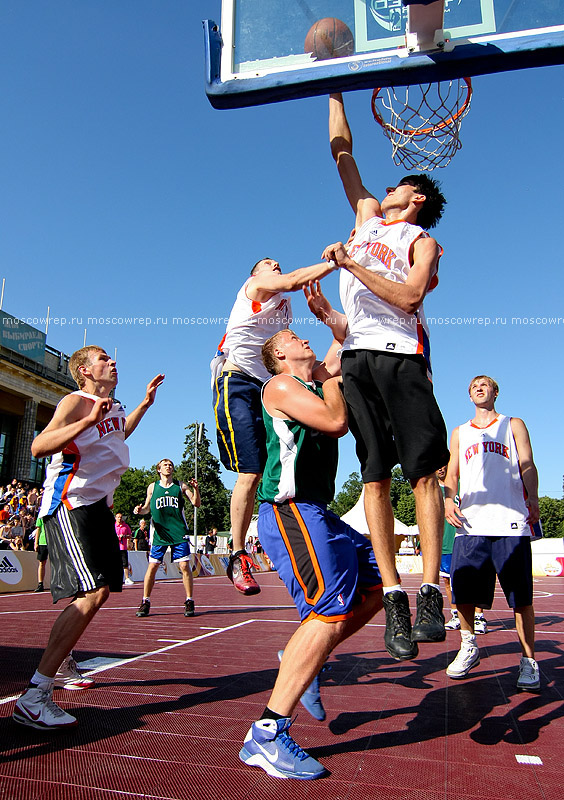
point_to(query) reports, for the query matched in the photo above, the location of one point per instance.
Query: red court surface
(174, 698)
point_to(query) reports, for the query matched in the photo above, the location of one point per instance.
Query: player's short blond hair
(161, 461)
(270, 361)
(487, 378)
(80, 358)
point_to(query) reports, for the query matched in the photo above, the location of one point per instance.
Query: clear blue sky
(124, 194)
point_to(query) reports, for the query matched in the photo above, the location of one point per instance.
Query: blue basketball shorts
(178, 552)
(326, 565)
(477, 560)
(241, 436)
(445, 565)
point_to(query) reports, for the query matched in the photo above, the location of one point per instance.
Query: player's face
(295, 348)
(441, 473)
(399, 196)
(268, 265)
(166, 467)
(482, 392)
(101, 368)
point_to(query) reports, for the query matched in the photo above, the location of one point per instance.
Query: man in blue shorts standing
(328, 568)
(492, 457)
(261, 309)
(165, 501)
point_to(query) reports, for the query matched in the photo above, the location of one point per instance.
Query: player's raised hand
(152, 387)
(337, 253)
(317, 303)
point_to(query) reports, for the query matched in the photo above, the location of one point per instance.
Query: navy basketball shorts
(326, 565)
(84, 550)
(393, 414)
(241, 436)
(477, 560)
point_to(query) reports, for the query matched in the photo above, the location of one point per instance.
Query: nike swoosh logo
(30, 714)
(272, 757)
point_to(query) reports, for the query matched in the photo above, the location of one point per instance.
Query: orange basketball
(329, 38)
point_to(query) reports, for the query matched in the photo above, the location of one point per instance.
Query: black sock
(269, 714)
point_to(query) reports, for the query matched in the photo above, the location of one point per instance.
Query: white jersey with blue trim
(373, 324)
(91, 466)
(492, 495)
(250, 324)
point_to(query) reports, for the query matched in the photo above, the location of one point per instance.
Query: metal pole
(196, 477)
(2, 295)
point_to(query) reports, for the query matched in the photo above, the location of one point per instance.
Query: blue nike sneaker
(311, 698)
(269, 745)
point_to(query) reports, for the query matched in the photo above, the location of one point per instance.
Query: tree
(403, 500)
(214, 511)
(552, 516)
(348, 495)
(132, 491)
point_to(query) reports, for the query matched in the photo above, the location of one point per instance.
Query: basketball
(329, 38)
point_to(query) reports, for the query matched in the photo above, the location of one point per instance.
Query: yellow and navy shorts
(327, 566)
(241, 435)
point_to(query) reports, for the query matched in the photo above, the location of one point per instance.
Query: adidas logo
(6, 566)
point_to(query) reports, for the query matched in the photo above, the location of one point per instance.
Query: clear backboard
(267, 51)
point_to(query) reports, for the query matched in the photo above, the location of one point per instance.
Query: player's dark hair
(432, 209)
(260, 262)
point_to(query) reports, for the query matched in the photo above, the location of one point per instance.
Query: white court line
(152, 653)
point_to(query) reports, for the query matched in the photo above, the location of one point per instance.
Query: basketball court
(174, 698)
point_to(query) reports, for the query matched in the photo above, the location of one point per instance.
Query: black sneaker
(40, 588)
(189, 608)
(429, 621)
(143, 610)
(398, 627)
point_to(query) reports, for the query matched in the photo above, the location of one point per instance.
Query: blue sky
(126, 195)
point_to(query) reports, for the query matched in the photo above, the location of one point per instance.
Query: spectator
(123, 532)
(211, 541)
(141, 536)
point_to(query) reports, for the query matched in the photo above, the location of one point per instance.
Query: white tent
(356, 518)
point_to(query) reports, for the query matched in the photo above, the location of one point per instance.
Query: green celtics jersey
(168, 523)
(301, 463)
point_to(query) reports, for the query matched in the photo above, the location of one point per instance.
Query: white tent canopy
(356, 518)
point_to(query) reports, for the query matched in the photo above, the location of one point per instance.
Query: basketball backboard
(258, 55)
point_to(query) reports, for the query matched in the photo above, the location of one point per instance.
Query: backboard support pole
(424, 30)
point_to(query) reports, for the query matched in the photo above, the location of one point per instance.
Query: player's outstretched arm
(192, 492)
(133, 419)
(73, 416)
(141, 510)
(285, 397)
(265, 284)
(321, 308)
(363, 203)
(406, 296)
(529, 474)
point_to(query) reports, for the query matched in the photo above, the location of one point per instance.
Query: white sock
(467, 637)
(42, 681)
(396, 588)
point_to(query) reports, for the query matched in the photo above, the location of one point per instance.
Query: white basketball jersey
(91, 466)
(250, 324)
(492, 495)
(383, 248)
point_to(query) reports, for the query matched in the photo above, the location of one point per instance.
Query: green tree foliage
(552, 516)
(214, 511)
(348, 495)
(132, 491)
(403, 501)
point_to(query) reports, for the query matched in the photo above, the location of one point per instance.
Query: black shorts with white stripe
(84, 550)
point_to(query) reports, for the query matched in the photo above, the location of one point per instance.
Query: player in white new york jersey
(260, 310)
(86, 438)
(498, 513)
(387, 269)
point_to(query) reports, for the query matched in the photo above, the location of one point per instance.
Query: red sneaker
(239, 573)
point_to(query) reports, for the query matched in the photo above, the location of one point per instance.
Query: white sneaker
(129, 582)
(36, 708)
(454, 623)
(468, 656)
(70, 677)
(480, 624)
(529, 675)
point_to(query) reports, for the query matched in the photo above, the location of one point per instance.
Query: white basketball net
(423, 121)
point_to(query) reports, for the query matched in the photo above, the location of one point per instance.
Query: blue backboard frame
(474, 49)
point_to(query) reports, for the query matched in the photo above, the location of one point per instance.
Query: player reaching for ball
(387, 269)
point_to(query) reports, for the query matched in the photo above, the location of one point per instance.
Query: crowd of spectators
(19, 506)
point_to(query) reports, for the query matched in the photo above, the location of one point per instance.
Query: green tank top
(301, 463)
(168, 522)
